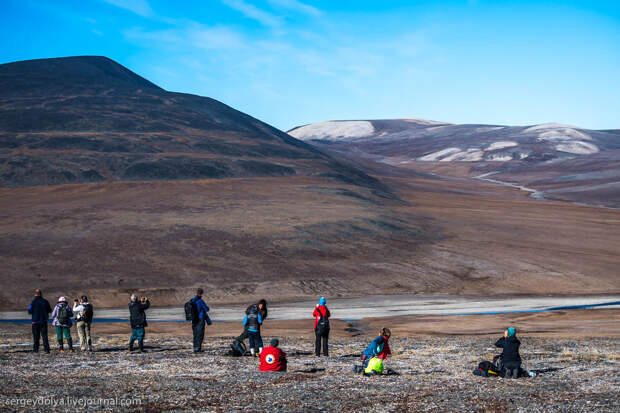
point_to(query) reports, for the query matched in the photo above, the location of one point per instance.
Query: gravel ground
(435, 375)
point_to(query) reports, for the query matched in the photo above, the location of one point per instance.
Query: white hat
(63, 299)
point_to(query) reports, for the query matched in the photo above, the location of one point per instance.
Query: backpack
(191, 310)
(322, 326)
(238, 348)
(63, 314)
(487, 369)
(87, 312)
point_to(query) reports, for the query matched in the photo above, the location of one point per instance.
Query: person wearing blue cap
(321, 327)
(511, 360)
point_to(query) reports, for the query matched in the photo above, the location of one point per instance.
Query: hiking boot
(131, 345)
(141, 346)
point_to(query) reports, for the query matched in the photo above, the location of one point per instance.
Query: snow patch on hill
(579, 148)
(425, 121)
(498, 158)
(334, 130)
(545, 126)
(435, 156)
(470, 155)
(501, 145)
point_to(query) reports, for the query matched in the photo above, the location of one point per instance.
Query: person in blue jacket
(253, 321)
(40, 309)
(379, 347)
(198, 324)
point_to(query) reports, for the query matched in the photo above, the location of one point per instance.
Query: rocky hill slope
(89, 119)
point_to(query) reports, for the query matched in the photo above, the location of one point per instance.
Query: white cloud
(254, 13)
(191, 36)
(297, 6)
(139, 7)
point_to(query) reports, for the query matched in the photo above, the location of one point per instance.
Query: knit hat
(511, 331)
(62, 299)
(322, 301)
(274, 342)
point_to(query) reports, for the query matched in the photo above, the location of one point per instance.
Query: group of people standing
(272, 358)
(63, 317)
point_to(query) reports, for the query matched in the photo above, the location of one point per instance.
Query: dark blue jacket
(511, 349)
(202, 307)
(40, 309)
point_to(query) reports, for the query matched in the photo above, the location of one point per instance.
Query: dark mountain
(88, 119)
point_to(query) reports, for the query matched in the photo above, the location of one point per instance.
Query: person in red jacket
(321, 327)
(272, 358)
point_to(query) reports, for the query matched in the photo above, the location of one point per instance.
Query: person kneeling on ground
(379, 348)
(252, 321)
(137, 318)
(272, 358)
(62, 321)
(510, 358)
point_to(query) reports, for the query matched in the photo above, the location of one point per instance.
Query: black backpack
(487, 369)
(322, 326)
(87, 313)
(238, 348)
(63, 314)
(191, 310)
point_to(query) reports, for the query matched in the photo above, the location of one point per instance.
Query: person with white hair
(137, 318)
(61, 316)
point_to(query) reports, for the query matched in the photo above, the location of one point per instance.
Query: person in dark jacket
(198, 324)
(321, 327)
(137, 317)
(252, 321)
(511, 360)
(40, 309)
(262, 310)
(61, 319)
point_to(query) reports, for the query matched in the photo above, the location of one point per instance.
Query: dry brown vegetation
(295, 237)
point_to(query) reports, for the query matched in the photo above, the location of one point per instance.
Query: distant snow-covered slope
(417, 139)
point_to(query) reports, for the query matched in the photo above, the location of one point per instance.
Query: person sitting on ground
(83, 311)
(137, 318)
(262, 310)
(40, 309)
(272, 358)
(62, 315)
(321, 327)
(198, 324)
(510, 358)
(379, 348)
(252, 322)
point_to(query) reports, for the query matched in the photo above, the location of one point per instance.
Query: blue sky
(292, 62)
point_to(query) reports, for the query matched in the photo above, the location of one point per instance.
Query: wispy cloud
(252, 12)
(193, 35)
(297, 6)
(139, 7)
